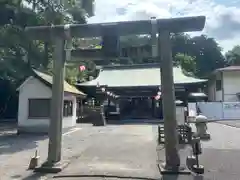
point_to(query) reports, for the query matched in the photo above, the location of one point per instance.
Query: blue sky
(228, 2)
(223, 16)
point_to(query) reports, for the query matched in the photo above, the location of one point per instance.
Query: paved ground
(126, 151)
(233, 123)
(118, 151)
(221, 154)
(7, 128)
(129, 151)
(16, 151)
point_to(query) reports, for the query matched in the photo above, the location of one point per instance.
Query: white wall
(218, 110)
(192, 109)
(231, 110)
(231, 85)
(212, 110)
(218, 96)
(70, 121)
(180, 111)
(36, 89)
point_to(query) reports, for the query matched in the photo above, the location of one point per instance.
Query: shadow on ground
(181, 177)
(103, 177)
(33, 176)
(12, 143)
(8, 127)
(134, 121)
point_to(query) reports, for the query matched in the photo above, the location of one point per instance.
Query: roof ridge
(148, 75)
(131, 66)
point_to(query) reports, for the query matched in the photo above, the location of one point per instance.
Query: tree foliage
(18, 53)
(233, 56)
(188, 63)
(199, 55)
(207, 53)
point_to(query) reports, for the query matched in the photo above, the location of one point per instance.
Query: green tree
(18, 53)
(233, 56)
(203, 50)
(179, 42)
(207, 53)
(187, 63)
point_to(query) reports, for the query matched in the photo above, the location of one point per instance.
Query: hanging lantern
(82, 68)
(157, 97)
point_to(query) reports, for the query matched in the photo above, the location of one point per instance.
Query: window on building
(218, 85)
(67, 108)
(39, 108)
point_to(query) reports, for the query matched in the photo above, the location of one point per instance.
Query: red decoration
(82, 68)
(157, 97)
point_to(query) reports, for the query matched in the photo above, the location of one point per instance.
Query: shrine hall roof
(136, 76)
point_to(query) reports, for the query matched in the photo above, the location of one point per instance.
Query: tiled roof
(49, 79)
(137, 75)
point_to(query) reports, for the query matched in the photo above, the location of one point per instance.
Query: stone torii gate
(62, 35)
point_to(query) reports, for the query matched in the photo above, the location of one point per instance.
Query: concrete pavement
(221, 154)
(16, 151)
(232, 123)
(127, 151)
(130, 151)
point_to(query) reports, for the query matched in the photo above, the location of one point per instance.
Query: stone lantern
(201, 126)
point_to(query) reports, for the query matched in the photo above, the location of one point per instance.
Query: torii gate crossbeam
(60, 33)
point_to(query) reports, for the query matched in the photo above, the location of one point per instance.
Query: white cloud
(223, 22)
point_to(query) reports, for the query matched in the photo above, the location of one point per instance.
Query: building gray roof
(137, 75)
(229, 68)
(225, 69)
(49, 81)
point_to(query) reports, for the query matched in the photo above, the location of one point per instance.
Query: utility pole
(169, 107)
